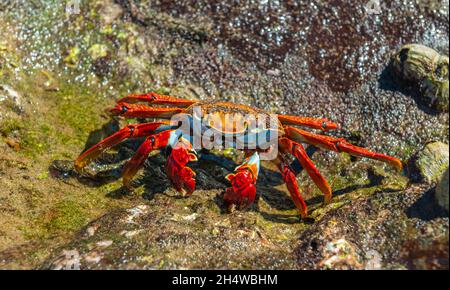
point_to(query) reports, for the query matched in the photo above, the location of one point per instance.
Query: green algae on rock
(386, 230)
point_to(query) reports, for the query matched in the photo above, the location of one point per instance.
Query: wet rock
(90, 231)
(377, 232)
(134, 213)
(104, 244)
(430, 163)
(442, 191)
(428, 69)
(93, 257)
(153, 239)
(281, 56)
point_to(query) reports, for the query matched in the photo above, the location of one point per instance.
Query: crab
(166, 132)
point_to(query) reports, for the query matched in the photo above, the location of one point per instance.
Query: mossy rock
(431, 162)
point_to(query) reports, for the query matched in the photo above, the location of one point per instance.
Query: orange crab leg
(143, 111)
(155, 98)
(292, 185)
(130, 131)
(316, 123)
(338, 145)
(299, 152)
(151, 143)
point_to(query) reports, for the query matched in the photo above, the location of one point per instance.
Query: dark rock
(442, 191)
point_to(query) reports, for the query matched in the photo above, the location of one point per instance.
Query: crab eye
(124, 109)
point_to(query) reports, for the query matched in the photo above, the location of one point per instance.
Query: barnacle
(426, 67)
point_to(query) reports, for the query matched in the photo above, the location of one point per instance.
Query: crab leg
(181, 176)
(143, 111)
(292, 185)
(130, 131)
(299, 152)
(151, 143)
(316, 123)
(155, 98)
(243, 190)
(338, 145)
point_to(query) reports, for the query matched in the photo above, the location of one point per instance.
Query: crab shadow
(211, 170)
(389, 81)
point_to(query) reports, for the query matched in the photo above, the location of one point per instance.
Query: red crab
(242, 192)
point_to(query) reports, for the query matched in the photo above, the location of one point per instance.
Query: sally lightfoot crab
(227, 120)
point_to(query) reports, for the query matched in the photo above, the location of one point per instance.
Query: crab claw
(242, 191)
(181, 176)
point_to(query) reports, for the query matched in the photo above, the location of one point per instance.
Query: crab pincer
(242, 191)
(181, 176)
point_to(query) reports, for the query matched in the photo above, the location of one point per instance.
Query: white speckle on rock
(104, 244)
(68, 260)
(93, 257)
(191, 217)
(130, 234)
(374, 260)
(90, 231)
(8, 93)
(135, 212)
